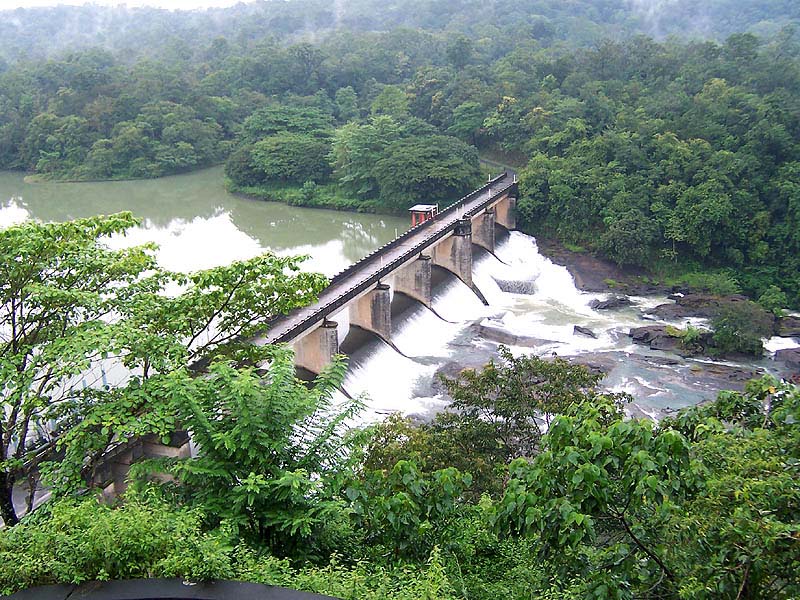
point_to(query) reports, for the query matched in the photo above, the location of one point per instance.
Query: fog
(169, 4)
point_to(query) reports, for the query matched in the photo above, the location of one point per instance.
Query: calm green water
(197, 224)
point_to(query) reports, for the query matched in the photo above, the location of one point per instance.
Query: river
(197, 224)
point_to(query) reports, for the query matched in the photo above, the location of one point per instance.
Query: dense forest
(137, 32)
(673, 155)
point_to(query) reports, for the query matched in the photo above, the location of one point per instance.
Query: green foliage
(147, 536)
(600, 493)
(773, 300)
(79, 541)
(509, 403)
(497, 414)
(399, 162)
(739, 328)
(290, 157)
(58, 286)
(271, 120)
(720, 283)
(407, 511)
(392, 102)
(433, 168)
(656, 154)
(747, 511)
(272, 452)
(73, 307)
(346, 104)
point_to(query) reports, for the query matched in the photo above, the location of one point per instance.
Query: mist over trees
(134, 32)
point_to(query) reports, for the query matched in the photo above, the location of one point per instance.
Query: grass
(574, 248)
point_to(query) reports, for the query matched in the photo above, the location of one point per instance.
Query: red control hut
(422, 212)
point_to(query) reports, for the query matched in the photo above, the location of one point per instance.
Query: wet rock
(584, 331)
(611, 303)
(503, 336)
(789, 326)
(600, 363)
(646, 335)
(663, 361)
(695, 305)
(667, 343)
(517, 287)
(724, 376)
(789, 357)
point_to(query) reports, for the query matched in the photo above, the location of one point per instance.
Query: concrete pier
(506, 213)
(455, 252)
(373, 311)
(483, 233)
(316, 350)
(414, 280)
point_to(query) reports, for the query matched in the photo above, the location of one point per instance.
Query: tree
(739, 328)
(629, 239)
(71, 309)
(356, 148)
(599, 495)
(459, 51)
(514, 399)
(273, 453)
(392, 102)
(430, 168)
(467, 121)
(747, 444)
(346, 104)
(291, 157)
(497, 414)
(271, 120)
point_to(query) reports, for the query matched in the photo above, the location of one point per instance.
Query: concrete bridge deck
(361, 276)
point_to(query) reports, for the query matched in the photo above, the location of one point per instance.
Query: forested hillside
(134, 32)
(678, 155)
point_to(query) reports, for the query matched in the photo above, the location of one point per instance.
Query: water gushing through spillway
(534, 307)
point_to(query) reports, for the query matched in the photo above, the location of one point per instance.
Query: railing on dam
(502, 183)
(414, 230)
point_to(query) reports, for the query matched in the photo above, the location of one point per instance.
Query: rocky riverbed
(593, 274)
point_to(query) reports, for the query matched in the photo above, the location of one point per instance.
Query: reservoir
(198, 225)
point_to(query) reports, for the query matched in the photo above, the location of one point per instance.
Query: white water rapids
(540, 315)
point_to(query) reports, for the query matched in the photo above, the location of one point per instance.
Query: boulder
(695, 305)
(645, 335)
(610, 303)
(789, 357)
(510, 286)
(502, 336)
(666, 342)
(789, 326)
(584, 331)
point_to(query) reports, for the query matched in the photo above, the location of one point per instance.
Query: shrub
(719, 283)
(739, 328)
(773, 300)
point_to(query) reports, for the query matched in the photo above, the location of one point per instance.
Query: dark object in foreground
(163, 589)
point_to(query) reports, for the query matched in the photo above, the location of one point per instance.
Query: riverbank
(598, 275)
(308, 196)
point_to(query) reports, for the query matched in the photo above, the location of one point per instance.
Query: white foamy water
(541, 320)
(389, 380)
(436, 333)
(776, 343)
